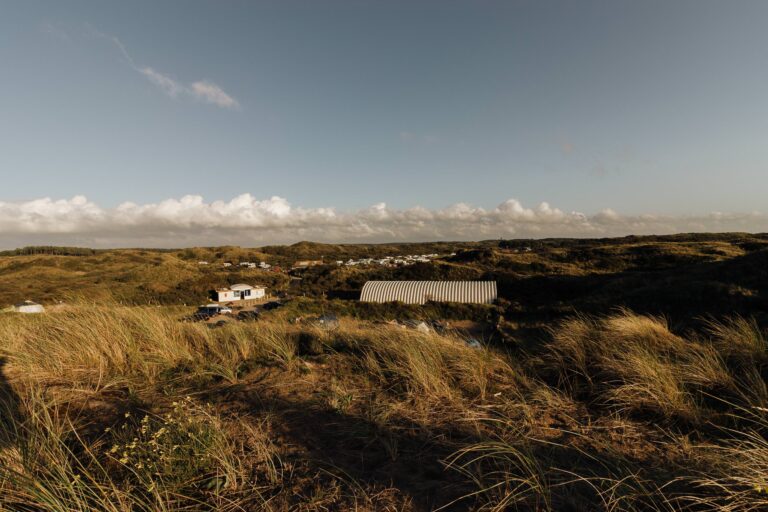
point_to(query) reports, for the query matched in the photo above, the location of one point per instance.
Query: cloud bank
(248, 221)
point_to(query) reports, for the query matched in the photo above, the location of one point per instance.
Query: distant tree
(50, 250)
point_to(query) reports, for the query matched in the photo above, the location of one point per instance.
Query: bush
(180, 452)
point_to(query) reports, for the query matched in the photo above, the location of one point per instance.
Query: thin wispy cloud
(212, 93)
(167, 84)
(246, 220)
(201, 90)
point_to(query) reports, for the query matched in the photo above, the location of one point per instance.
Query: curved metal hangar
(420, 292)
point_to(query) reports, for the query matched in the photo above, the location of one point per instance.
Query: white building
(28, 307)
(238, 292)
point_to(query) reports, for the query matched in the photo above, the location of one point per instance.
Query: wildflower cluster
(175, 449)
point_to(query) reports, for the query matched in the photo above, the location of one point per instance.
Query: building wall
(34, 308)
(227, 296)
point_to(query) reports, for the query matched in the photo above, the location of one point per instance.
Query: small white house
(238, 292)
(28, 307)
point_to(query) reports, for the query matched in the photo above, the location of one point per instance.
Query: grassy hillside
(131, 276)
(333, 252)
(684, 277)
(129, 408)
(538, 277)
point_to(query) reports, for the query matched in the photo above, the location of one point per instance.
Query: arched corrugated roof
(419, 292)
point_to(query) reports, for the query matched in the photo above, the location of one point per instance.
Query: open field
(582, 396)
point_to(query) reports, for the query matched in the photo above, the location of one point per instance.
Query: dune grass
(108, 407)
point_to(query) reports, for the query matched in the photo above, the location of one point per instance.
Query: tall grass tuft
(634, 363)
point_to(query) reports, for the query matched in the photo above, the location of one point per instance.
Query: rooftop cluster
(392, 261)
(249, 264)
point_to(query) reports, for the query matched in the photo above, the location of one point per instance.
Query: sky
(253, 122)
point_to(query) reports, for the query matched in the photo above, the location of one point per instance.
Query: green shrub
(178, 451)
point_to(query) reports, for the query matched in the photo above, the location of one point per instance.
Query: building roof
(419, 292)
(26, 303)
(239, 287)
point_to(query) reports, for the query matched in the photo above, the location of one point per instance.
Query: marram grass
(107, 407)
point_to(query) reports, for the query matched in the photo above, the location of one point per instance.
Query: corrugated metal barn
(419, 292)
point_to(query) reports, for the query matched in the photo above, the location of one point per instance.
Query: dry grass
(97, 346)
(736, 478)
(613, 413)
(75, 356)
(636, 364)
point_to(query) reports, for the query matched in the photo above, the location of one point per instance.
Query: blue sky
(643, 107)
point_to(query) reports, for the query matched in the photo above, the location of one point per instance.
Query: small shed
(28, 307)
(238, 292)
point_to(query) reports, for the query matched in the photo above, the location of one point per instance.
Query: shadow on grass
(10, 411)
(355, 449)
(413, 459)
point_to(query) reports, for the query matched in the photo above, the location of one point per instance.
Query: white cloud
(169, 86)
(200, 90)
(204, 91)
(246, 220)
(212, 93)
